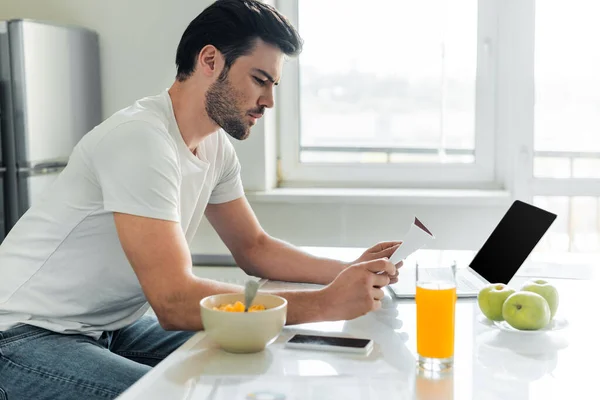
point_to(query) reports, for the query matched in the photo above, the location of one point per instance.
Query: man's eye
(260, 81)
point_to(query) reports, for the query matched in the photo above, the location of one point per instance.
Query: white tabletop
(489, 363)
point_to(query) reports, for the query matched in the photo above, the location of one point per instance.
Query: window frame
(482, 174)
(508, 117)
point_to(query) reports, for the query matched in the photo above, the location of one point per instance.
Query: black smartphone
(330, 343)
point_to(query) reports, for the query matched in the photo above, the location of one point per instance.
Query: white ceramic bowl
(239, 332)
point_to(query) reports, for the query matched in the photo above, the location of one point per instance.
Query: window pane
(586, 168)
(557, 237)
(568, 166)
(342, 157)
(577, 225)
(394, 74)
(567, 82)
(552, 167)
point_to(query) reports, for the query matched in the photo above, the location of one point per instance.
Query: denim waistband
(19, 331)
(16, 330)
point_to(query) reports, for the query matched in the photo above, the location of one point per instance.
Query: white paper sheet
(418, 236)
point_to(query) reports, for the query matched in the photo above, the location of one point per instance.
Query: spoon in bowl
(250, 290)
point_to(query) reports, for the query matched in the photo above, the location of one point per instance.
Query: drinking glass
(436, 300)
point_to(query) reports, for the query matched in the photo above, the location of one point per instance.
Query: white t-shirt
(62, 266)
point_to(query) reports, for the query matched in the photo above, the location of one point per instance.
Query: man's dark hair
(233, 26)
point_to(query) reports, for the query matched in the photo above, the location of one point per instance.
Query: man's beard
(221, 100)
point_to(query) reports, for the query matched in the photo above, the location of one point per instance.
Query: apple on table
(491, 298)
(546, 290)
(526, 310)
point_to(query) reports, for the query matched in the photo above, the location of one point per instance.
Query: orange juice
(435, 319)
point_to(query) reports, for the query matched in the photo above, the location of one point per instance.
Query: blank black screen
(331, 341)
(511, 242)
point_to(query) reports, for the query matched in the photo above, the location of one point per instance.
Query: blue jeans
(39, 364)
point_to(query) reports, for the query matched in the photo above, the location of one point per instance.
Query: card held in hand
(418, 236)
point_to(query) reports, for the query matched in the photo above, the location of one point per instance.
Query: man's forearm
(182, 311)
(278, 260)
(305, 306)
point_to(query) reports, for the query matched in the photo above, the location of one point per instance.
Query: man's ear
(209, 61)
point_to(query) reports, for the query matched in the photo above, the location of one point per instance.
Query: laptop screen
(511, 242)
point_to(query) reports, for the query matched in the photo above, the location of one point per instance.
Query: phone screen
(330, 341)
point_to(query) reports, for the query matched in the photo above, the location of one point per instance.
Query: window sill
(446, 197)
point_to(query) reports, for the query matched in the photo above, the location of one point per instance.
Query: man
(80, 267)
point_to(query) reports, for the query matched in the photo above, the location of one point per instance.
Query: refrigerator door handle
(42, 168)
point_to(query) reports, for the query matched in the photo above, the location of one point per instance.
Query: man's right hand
(357, 290)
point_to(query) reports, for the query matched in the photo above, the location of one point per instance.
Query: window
(440, 93)
(388, 92)
(567, 122)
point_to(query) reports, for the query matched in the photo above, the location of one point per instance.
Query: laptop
(498, 260)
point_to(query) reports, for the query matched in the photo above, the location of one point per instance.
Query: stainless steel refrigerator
(49, 98)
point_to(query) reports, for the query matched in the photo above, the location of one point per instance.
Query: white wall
(138, 40)
(361, 225)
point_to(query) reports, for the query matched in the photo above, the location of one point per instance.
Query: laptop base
(468, 284)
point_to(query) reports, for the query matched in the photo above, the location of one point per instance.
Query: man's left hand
(381, 250)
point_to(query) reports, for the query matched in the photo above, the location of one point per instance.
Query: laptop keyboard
(463, 283)
(466, 283)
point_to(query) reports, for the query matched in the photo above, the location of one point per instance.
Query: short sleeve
(229, 186)
(138, 170)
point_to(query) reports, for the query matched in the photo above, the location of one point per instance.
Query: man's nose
(267, 100)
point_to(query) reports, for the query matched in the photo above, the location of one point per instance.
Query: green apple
(491, 298)
(526, 311)
(546, 290)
